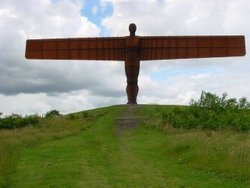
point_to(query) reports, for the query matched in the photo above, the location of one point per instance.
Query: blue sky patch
(95, 12)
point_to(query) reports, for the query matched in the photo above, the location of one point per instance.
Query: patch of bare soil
(128, 120)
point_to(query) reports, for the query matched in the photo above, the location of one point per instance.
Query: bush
(17, 121)
(85, 114)
(72, 116)
(211, 111)
(216, 103)
(52, 113)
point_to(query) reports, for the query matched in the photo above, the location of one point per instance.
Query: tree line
(17, 121)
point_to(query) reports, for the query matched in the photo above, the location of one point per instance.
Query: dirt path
(128, 119)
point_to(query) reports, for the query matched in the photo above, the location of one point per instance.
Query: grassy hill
(123, 146)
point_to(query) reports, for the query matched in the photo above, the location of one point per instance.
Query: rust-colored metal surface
(182, 47)
(76, 49)
(132, 49)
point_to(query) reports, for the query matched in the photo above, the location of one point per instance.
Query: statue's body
(132, 49)
(132, 65)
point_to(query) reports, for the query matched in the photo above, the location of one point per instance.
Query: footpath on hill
(115, 151)
(128, 119)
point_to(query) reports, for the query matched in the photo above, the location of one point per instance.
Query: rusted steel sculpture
(132, 49)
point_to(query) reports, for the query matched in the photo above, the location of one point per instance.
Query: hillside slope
(125, 146)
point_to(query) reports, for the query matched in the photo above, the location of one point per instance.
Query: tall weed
(222, 152)
(13, 140)
(9, 154)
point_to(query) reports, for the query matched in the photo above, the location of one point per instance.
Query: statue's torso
(132, 52)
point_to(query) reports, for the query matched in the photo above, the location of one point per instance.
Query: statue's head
(132, 29)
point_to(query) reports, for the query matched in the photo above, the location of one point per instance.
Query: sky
(37, 86)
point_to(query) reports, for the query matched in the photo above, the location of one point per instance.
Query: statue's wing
(182, 47)
(107, 48)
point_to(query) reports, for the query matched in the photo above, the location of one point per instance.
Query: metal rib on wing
(106, 48)
(182, 47)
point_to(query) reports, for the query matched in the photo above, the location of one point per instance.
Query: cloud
(42, 103)
(94, 10)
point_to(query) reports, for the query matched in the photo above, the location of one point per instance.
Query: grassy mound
(82, 150)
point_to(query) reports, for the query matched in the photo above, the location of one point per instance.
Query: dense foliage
(52, 113)
(211, 111)
(17, 121)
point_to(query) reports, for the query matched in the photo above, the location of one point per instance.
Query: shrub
(52, 113)
(211, 111)
(85, 114)
(72, 116)
(17, 121)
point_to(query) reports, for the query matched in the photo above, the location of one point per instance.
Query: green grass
(81, 150)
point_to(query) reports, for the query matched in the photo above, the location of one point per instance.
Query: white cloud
(41, 103)
(199, 76)
(94, 10)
